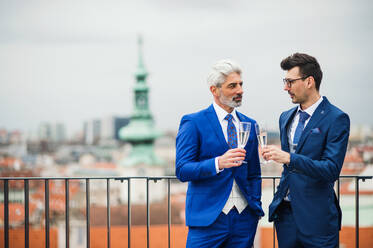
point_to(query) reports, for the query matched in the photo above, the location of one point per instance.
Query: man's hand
(274, 153)
(232, 158)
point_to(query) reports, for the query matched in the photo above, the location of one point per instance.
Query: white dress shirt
(236, 197)
(293, 126)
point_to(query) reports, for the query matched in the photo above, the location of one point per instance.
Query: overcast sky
(71, 61)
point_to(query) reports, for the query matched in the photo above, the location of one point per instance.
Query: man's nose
(286, 87)
(240, 89)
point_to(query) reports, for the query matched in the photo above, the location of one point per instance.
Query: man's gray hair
(220, 71)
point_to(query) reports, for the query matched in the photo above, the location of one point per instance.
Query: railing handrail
(88, 177)
(145, 177)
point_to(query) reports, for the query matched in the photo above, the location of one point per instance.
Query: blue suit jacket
(313, 169)
(199, 141)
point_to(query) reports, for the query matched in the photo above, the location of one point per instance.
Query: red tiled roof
(18, 184)
(104, 165)
(16, 211)
(119, 214)
(365, 149)
(353, 158)
(56, 194)
(9, 162)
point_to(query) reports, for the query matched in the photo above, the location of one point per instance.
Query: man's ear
(214, 90)
(311, 82)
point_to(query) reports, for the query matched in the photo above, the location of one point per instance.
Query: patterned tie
(231, 132)
(303, 116)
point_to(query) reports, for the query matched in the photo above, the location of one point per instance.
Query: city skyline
(78, 64)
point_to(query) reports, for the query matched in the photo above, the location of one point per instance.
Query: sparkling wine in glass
(243, 135)
(261, 133)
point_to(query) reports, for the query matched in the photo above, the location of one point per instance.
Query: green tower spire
(141, 73)
(140, 132)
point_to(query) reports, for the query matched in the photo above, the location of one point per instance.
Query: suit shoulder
(287, 112)
(193, 116)
(337, 112)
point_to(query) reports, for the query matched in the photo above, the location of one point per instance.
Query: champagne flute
(243, 135)
(261, 133)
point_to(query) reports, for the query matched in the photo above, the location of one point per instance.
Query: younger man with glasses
(314, 137)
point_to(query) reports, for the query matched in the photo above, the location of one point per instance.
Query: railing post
(147, 213)
(46, 213)
(339, 200)
(273, 225)
(169, 211)
(6, 213)
(357, 211)
(339, 190)
(67, 213)
(27, 212)
(108, 210)
(88, 212)
(129, 212)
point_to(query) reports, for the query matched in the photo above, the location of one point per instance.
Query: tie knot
(303, 116)
(229, 117)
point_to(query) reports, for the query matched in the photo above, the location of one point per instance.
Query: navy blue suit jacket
(199, 141)
(313, 169)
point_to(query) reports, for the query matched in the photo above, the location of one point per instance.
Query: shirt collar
(221, 113)
(311, 109)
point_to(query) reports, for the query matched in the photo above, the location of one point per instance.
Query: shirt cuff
(217, 165)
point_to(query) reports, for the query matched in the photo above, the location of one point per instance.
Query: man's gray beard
(226, 101)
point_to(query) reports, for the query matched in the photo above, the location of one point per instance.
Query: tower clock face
(141, 101)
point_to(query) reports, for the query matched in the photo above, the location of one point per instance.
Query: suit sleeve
(188, 166)
(329, 166)
(254, 170)
(282, 178)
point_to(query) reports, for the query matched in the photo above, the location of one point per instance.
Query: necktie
(231, 132)
(303, 116)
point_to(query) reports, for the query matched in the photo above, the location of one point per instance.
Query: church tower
(140, 132)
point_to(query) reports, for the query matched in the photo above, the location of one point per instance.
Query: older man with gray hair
(224, 184)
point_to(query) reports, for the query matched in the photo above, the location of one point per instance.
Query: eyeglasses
(289, 82)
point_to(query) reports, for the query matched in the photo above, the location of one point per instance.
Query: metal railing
(128, 180)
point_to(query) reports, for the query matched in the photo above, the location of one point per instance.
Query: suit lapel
(215, 125)
(240, 116)
(284, 128)
(320, 112)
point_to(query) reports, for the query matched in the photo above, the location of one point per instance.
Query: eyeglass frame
(289, 82)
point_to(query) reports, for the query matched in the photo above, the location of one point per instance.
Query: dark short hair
(308, 66)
